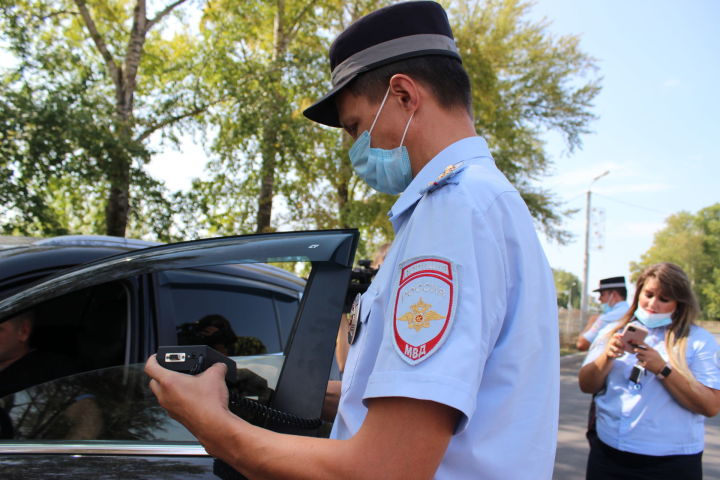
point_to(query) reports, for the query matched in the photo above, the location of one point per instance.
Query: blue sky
(657, 127)
(658, 121)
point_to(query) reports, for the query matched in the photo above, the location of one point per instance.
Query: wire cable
(665, 214)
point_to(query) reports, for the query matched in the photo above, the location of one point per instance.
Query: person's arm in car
(332, 400)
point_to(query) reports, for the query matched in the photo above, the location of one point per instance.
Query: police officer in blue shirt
(613, 294)
(453, 371)
(651, 402)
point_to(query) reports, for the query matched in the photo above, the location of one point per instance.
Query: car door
(104, 421)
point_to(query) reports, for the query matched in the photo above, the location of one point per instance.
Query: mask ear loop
(406, 128)
(377, 115)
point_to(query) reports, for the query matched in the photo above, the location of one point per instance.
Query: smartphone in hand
(633, 335)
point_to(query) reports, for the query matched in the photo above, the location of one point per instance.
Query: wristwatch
(662, 374)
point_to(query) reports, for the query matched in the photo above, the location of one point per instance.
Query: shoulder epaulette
(448, 176)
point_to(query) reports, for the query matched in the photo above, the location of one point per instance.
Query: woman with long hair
(651, 402)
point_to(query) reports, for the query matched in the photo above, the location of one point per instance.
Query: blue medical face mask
(653, 320)
(386, 171)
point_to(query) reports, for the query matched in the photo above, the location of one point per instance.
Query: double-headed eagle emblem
(420, 316)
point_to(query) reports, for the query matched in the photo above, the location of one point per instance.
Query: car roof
(25, 264)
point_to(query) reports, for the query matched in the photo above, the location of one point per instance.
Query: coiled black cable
(260, 414)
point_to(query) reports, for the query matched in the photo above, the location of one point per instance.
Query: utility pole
(586, 255)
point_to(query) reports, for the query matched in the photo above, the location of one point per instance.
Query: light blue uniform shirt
(497, 362)
(644, 418)
(616, 313)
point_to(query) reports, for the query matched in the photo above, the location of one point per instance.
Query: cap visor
(324, 111)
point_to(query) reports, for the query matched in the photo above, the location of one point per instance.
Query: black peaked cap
(387, 35)
(612, 282)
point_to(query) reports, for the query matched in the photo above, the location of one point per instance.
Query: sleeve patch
(424, 309)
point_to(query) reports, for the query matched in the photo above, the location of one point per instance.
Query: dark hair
(445, 76)
(622, 291)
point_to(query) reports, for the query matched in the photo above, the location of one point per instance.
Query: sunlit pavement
(572, 448)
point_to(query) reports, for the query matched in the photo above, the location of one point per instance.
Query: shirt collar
(621, 304)
(460, 151)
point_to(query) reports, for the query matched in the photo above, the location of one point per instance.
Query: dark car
(104, 316)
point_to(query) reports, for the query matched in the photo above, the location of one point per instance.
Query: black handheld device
(194, 359)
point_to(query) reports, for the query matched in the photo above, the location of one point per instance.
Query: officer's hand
(189, 399)
(614, 347)
(649, 358)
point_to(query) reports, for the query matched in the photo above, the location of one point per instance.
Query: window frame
(310, 346)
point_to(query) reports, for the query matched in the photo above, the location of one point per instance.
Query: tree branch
(115, 73)
(159, 16)
(133, 55)
(170, 120)
(295, 23)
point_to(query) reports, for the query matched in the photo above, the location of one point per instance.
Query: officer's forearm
(593, 375)
(692, 394)
(374, 452)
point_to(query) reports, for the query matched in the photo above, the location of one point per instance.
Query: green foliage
(241, 73)
(53, 148)
(525, 82)
(693, 243)
(77, 117)
(567, 286)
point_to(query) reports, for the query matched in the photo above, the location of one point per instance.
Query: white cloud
(671, 83)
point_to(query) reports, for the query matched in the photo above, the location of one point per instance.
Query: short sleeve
(705, 362)
(442, 230)
(598, 345)
(592, 332)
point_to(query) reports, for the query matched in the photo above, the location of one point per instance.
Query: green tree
(271, 166)
(691, 241)
(246, 83)
(567, 286)
(94, 81)
(525, 82)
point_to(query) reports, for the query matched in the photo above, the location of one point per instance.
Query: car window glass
(238, 310)
(79, 331)
(113, 404)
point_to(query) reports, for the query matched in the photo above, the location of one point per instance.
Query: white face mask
(653, 320)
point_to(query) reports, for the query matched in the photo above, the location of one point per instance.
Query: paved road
(572, 446)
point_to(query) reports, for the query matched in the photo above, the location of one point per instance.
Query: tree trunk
(270, 148)
(124, 78)
(118, 203)
(267, 179)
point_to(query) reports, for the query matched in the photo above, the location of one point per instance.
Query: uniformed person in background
(453, 371)
(612, 296)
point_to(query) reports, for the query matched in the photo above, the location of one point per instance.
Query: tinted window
(234, 314)
(80, 331)
(112, 404)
